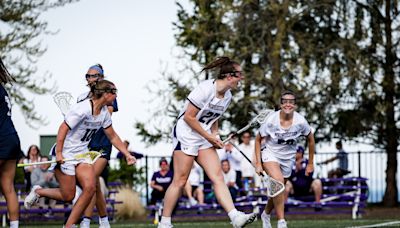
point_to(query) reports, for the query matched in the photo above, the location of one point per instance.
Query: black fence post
(147, 179)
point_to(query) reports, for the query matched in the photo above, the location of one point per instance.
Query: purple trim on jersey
(193, 104)
(107, 126)
(91, 105)
(67, 125)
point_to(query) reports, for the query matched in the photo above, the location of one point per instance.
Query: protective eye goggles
(288, 101)
(87, 76)
(108, 90)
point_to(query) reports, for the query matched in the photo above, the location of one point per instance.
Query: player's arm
(191, 120)
(61, 135)
(311, 152)
(214, 129)
(117, 142)
(257, 152)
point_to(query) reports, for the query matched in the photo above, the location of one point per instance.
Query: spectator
(343, 162)
(300, 185)
(229, 178)
(33, 155)
(160, 182)
(41, 176)
(235, 159)
(247, 169)
(192, 188)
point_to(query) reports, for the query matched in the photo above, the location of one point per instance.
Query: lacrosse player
(80, 124)
(99, 142)
(195, 136)
(10, 149)
(276, 155)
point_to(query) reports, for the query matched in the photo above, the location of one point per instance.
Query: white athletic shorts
(189, 142)
(285, 164)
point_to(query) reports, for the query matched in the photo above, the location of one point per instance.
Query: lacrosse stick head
(89, 157)
(274, 187)
(262, 116)
(64, 101)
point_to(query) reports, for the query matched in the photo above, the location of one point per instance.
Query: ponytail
(225, 64)
(100, 87)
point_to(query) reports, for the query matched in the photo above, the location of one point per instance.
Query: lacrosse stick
(64, 101)
(274, 187)
(259, 119)
(90, 157)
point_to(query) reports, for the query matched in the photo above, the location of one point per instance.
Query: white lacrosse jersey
(211, 109)
(83, 125)
(282, 142)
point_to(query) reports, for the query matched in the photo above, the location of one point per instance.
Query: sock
(265, 213)
(104, 220)
(232, 214)
(14, 224)
(165, 220)
(281, 220)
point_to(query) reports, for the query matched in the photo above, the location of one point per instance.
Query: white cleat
(266, 220)
(282, 224)
(32, 198)
(162, 225)
(242, 219)
(105, 225)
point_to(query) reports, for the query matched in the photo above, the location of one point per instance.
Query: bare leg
(86, 177)
(65, 192)
(98, 199)
(188, 190)
(200, 195)
(7, 174)
(209, 160)
(182, 165)
(288, 189)
(316, 187)
(273, 170)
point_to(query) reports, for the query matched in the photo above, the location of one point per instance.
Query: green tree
(338, 56)
(20, 48)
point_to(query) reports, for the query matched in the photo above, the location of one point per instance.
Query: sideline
(376, 225)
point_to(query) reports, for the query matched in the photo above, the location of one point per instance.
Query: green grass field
(291, 223)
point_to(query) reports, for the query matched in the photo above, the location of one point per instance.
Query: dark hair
(30, 148)
(5, 76)
(288, 92)
(101, 87)
(339, 143)
(225, 64)
(163, 160)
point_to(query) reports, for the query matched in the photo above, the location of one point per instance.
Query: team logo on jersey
(216, 107)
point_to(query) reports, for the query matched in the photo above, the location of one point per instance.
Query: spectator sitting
(192, 188)
(33, 155)
(44, 178)
(343, 162)
(299, 185)
(235, 159)
(229, 178)
(160, 182)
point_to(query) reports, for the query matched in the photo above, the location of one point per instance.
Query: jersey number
(208, 117)
(286, 142)
(88, 135)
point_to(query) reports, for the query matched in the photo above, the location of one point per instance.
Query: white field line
(376, 225)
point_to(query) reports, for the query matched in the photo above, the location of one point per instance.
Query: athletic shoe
(266, 220)
(162, 225)
(104, 225)
(32, 198)
(282, 224)
(84, 225)
(242, 219)
(192, 202)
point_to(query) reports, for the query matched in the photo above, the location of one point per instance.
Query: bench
(61, 209)
(340, 195)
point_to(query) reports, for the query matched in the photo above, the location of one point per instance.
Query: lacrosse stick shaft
(43, 162)
(248, 159)
(236, 133)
